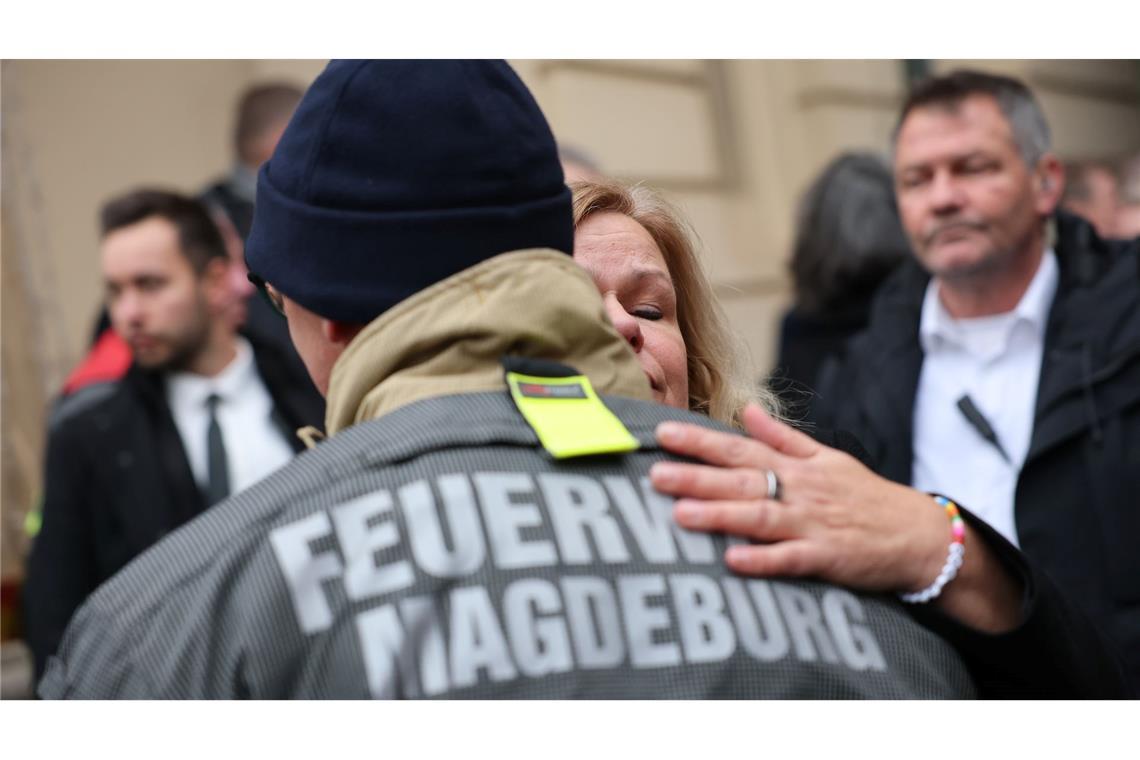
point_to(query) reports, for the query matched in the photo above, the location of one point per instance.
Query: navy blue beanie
(394, 175)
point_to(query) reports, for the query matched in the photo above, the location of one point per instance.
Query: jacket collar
(1090, 282)
(1093, 336)
(1082, 258)
(295, 405)
(448, 338)
(937, 327)
(883, 395)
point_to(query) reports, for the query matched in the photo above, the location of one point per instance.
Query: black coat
(1077, 508)
(1056, 652)
(117, 480)
(806, 342)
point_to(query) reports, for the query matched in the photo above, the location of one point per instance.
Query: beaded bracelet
(953, 558)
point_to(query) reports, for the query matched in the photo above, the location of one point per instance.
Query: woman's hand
(836, 520)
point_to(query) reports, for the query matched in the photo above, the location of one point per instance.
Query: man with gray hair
(262, 114)
(1003, 365)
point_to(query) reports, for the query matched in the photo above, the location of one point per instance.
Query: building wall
(733, 143)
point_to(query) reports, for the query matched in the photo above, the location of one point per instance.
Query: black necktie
(218, 483)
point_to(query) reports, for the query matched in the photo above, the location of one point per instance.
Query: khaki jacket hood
(448, 338)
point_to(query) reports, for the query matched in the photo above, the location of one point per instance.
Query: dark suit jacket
(117, 480)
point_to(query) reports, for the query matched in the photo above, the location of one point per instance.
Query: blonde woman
(810, 509)
(659, 297)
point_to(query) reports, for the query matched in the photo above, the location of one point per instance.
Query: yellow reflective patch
(569, 418)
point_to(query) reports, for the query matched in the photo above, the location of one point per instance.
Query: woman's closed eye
(652, 313)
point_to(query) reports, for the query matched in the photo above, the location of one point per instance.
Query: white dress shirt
(255, 445)
(996, 360)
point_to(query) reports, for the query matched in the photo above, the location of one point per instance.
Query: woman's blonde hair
(721, 379)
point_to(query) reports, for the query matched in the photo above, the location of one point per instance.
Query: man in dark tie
(203, 412)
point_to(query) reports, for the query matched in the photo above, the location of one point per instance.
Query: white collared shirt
(996, 360)
(255, 445)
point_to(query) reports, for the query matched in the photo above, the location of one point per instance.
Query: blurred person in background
(1091, 193)
(848, 240)
(202, 412)
(831, 517)
(577, 164)
(263, 112)
(1128, 213)
(1002, 364)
